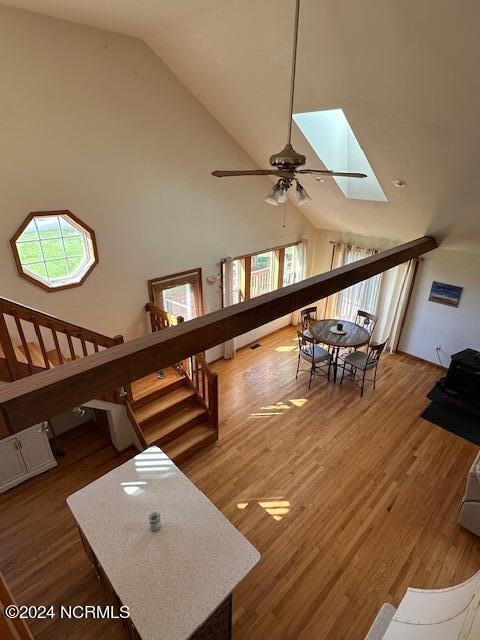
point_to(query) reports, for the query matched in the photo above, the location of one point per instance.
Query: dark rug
(452, 418)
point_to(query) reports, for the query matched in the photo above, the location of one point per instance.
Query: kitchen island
(176, 582)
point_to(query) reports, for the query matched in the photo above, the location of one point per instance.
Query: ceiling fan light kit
(287, 162)
(302, 195)
(278, 195)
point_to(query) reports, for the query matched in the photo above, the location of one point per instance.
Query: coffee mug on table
(339, 326)
(155, 521)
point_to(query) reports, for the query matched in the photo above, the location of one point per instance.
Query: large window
(54, 249)
(259, 273)
(363, 295)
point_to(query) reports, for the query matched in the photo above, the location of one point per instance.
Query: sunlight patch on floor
(279, 408)
(277, 508)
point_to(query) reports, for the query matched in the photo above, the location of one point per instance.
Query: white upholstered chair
(469, 516)
(433, 614)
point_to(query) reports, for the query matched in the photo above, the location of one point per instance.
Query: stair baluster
(33, 354)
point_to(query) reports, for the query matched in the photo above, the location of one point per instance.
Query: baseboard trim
(246, 346)
(418, 359)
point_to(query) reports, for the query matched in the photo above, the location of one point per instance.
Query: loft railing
(32, 341)
(29, 401)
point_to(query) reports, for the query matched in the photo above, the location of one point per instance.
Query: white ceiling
(405, 73)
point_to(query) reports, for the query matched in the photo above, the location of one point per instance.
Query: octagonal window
(54, 249)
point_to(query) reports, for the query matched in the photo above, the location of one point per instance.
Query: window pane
(290, 267)
(48, 227)
(74, 246)
(38, 269)
(180, 301)
(363, 295)
(29, 252)
(73, 264)
(52, 249)
(68, 229)
(57, 269)
(237, 281)
(30, 233)
(262, 278)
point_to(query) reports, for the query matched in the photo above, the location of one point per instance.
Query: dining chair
(366, 320)
(361, 361)
(306, 317)
(310, 351)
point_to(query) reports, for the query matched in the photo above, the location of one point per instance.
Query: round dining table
(355, 336)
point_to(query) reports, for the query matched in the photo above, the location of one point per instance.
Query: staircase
(32, 341)
(176, 409)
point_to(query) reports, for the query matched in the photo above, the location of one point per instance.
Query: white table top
(171, 579)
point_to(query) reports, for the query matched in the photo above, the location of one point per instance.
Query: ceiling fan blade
(253, 172)
(326, 172)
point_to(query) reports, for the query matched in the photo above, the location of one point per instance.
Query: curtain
(363, 295)
(300, 274)
(399, 302)
(229, 346)
(339, 258)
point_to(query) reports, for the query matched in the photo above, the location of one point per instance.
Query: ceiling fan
(286, 164)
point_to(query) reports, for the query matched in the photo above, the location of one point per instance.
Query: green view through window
(54, 249)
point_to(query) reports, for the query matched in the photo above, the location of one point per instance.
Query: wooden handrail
(29, 357)
(42, 319)
(160, 319)
(28, 401)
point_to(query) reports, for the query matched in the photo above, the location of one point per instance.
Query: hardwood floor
(41, 556)
(349, 500)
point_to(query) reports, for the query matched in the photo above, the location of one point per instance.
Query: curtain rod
(256, 253)
(353, 246)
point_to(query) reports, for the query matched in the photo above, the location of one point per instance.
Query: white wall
(94, 122)
(428, 323)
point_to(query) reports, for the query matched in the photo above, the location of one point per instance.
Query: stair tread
(54, 359)
(189, 439)
(152, 383)
(18, 354)
(35, 354)
(166, 425)
(161, 404)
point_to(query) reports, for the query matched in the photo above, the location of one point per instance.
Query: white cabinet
(24, 455)
(12, 465)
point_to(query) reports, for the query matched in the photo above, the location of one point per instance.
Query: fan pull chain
(284, 215)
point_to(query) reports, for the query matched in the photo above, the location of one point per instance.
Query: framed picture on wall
(447, 294)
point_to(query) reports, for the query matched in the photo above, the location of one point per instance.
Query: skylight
(331, 137)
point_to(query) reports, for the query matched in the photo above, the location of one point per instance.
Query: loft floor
(348, 500)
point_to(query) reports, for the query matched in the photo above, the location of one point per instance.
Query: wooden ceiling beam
(38, 397)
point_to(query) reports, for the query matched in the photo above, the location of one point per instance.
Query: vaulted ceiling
(405, 73)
